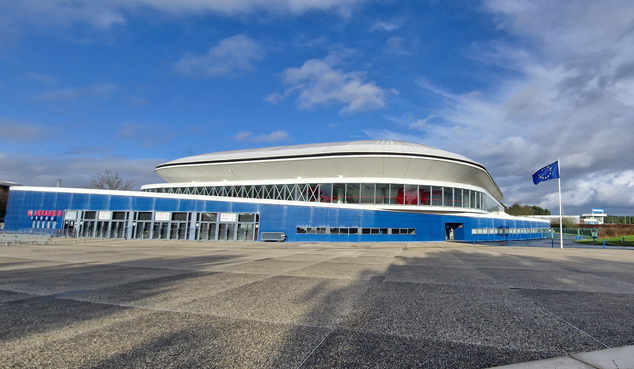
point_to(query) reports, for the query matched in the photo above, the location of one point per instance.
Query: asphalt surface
(168, 304)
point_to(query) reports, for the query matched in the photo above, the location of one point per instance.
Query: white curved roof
(390, 160)
(367, 147)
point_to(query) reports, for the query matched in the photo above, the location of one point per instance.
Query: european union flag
(550, 171)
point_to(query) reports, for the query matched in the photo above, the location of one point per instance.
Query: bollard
(509, 242)
(623, 241)
(603, 243)
(552, 242)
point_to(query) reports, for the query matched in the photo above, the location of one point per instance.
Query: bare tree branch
(109, 180)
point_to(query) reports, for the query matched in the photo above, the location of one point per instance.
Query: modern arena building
(360, 191)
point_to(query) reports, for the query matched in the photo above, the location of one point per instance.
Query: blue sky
(87, 86)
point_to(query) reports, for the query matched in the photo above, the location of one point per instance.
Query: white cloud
(276, 136)
(385, 26)
(318, 83)
(18, 130)
(571, 95)
(232, 55)
(73, 93)
(103, 14)
(74, 169)
(398, 46)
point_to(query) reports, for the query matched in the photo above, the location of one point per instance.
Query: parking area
(149, 303)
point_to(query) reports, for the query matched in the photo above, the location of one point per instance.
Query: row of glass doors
(202, 226)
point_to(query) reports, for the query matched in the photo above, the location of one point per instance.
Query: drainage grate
(376, 280)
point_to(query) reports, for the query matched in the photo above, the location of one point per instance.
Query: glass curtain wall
(352, 193)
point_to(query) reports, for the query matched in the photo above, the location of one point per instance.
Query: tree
(517, 209)
(540, 211)
(109, 180)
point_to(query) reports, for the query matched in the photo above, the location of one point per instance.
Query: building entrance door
(142, 230)
(226, 232)
(207, 231)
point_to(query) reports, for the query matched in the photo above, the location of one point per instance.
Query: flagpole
(561, 215)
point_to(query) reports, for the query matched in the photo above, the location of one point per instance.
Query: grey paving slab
(609, 317)
(363, 259)
(340, 270)
(171, 292)
(557, 280)
(22, 263)
(58, 279)
(491, 317)
(283, 299)
(186, 262)
(620, 357)
(220, 304)
(11, 296)
(129, 338)
(428, 257)
(349, 349)
(563, 362)
(438, 274)
(262, 266)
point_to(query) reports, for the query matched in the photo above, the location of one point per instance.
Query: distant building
(573, 219)
(596, 217)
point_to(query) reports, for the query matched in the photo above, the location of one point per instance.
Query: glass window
(397, 194)
(325, 192)
(144, 215)
(208, 217)
(457, 197)
(411, 231)
(365, 230)
(411, 194)
(321, 230)
(301, 230)
(352, 193)
(118, 215)
(246, 218)
(93, 215)
(448, 196)
(334, 230)
(383, 231)
(473, 199)
(367, 193)
(179, 216)
(424, 195)
(338, 193)
(353, 230)
(343, 230)
(382, 193)
(436, 196)
(374, 231)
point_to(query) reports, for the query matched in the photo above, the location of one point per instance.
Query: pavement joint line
(334, 327)
(575, 327)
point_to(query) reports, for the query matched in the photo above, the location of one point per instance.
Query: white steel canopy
(376, 159)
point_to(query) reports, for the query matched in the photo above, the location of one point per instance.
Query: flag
(550, 171)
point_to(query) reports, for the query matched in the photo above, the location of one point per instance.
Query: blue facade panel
(275, 218)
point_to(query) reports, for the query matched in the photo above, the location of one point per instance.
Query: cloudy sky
(90, 85)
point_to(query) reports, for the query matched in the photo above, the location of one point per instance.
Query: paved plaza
(169, 304)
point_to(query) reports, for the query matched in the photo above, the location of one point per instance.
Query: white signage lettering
(162, 215)
(105, 215)
(228, 217)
